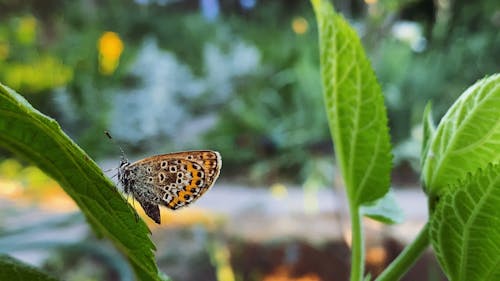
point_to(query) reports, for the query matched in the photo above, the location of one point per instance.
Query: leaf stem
(357, 244)
(407, 258)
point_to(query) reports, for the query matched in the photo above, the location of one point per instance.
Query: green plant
(460, 160)
(13, 269)
(38, 138)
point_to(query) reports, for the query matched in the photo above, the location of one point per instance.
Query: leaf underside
(465, 228)
(467, 138)
(355, 108)
(39, 139)
(429, 129)
(385, 209)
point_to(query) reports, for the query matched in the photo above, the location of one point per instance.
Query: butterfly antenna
(124, 158)
(121, 150)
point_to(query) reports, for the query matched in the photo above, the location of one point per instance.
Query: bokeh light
(4, 50)
(26, 30)
(45, 72)
(299, 25)
(110, 48)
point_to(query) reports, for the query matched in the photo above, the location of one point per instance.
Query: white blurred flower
(411, 33)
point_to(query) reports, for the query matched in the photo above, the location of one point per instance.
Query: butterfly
(173, 180)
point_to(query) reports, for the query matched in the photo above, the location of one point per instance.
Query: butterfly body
(174, 180)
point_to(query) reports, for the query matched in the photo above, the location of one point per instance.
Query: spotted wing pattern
(175, 179)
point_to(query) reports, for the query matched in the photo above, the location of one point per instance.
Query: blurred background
(241, 77)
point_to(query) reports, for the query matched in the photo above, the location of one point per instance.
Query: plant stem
(357, 245)
(407, 258)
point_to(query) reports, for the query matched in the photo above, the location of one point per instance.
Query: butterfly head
(123, 173)
(123, 162)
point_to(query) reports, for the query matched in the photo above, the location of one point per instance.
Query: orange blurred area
(182, 218)
(299, 25)
(52, 199)
(110, 48)
(284, 273)
(30, 186)
(376, 258)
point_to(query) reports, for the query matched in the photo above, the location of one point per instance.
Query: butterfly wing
(151, 209)
(178, 179)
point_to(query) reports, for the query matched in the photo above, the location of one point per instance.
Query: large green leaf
(14, 270)
(465, 228)
(355, 108)
(467, 138)
(38, 138)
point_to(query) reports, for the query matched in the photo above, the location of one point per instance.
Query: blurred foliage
(13, 269)
(22, 64)
(244, 80)
(27, 183)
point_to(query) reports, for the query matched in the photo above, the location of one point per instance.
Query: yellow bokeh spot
(46, 72)
(370, 2)
(110, 48)
(300, 25)
(279, 190)
(220, 257)
(10, 168)
(26, 30)
(4, 50)
(376, 255)
(10, 189)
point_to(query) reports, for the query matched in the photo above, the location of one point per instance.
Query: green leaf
(465, 228)
(467, 138)
(38, 138)
(385, 209)
(429, 129)
(14, 270)
(355, 108)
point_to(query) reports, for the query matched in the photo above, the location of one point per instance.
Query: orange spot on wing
(192, 185)
(191, 169)
(209, 164)
(174, 202)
